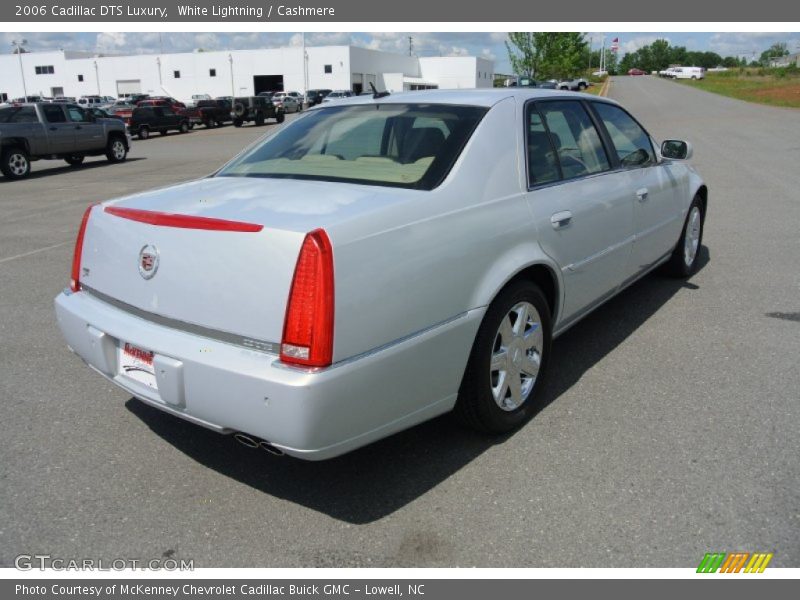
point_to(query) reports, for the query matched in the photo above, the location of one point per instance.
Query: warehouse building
(237, 72)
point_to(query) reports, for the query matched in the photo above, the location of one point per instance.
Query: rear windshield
(18, 114)
(398, 145)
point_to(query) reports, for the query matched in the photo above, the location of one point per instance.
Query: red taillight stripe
(77, 253)
(162, 219)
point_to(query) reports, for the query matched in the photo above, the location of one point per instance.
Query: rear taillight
(308, 328)
(75, 281)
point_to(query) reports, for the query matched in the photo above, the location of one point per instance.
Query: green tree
(774, 51)
(546, 55)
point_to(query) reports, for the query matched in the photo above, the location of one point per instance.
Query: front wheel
(144, 133)
(684, 259)
(237, 122)
(116, 150)
(15, 163)
(75, 160)
(184, 127)
(508, 362)
(280, 117)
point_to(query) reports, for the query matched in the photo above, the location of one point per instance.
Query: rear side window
(53, 113)
(631, 142)
(542, 160)
(18, 114)
(575, 139)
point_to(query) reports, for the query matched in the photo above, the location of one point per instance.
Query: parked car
(635, 71)
(149, 119)
(256, 109)
(529, 82)
(90, 101)
(337, 95)
(172, 103)
(196, 98)
(210, 113)
(577, 84)
(341, 288)
(314, 97)
(30, 132)
(287, 102)
(64, 99)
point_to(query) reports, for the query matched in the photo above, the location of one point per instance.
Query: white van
(689, 73)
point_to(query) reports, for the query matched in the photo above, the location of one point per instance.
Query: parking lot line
(37, 251)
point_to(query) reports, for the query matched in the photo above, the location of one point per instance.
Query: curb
(606, 85)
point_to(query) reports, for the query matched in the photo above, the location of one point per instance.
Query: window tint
(631, 142)
(18, 114)
(54, 114)
(402, 145)
(577, 143)
(76, 115)
(542, 161)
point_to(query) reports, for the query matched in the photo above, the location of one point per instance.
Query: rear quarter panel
(440, 253)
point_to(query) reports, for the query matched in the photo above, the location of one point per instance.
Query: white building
(236, 72)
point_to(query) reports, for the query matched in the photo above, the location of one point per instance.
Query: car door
(60, 132)
(583, 213)
(168, 118)
(89, 134)
(654, 186)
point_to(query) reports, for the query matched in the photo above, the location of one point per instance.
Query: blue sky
(489, 45)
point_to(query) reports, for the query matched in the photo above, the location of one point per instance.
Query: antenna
(375, 93)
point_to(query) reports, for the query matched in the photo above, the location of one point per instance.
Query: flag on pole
(615, 44)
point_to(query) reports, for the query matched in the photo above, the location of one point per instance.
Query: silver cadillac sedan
(379, 262)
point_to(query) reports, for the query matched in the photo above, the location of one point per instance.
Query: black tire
(15, 163)
(679, 264)
(163, 131)
(581, 86)
(476, 406)
(143, 133)
(74, 161)
(237, 122)
(259, 120)
(116, 150)
(218, 123)
(280, 117)
(184, 128)
(239, 110)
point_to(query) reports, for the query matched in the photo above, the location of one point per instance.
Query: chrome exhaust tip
(271, 449)
(246, 440)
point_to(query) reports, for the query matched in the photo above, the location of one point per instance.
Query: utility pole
(305, 65)
(19, 50)
(410, 46)
(97, 77)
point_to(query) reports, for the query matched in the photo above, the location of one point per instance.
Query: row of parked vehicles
(683, 73)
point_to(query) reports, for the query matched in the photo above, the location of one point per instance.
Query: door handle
(642, 194)
(53, 128)
(561, 219)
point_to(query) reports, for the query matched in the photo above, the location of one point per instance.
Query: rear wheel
(683, 262)
(116, 150)
(75, 160)
(184, 127)
(259, 120)
(237, 122)
(144, 132)
(15, 163)
(508, 363)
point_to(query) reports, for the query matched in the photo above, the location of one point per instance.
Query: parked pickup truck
(211, 113)
(41, 130)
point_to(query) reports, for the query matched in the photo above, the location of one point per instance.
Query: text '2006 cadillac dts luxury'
(379, 262)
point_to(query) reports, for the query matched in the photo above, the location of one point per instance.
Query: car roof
(486, 97)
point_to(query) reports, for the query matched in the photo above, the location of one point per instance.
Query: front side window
(574, 138)
(77, 114)
(399, 145)
(631, 142)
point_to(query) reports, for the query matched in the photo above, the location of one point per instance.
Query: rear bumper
(308, 414)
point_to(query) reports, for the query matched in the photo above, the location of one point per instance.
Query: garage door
(126, 87)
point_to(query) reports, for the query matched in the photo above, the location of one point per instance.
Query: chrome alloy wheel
(691, 238)
(17, 164)
(118, 150)
(516, 356)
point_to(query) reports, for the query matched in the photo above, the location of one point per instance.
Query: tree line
(553, 55)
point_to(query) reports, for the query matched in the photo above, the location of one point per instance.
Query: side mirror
(676, 150)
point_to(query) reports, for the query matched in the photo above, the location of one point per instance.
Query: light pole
(233, 87)
(19, 49)
(97, 77)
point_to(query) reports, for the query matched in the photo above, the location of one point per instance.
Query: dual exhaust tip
(254, 443)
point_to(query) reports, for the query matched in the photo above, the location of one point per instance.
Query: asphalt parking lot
(669, 428)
